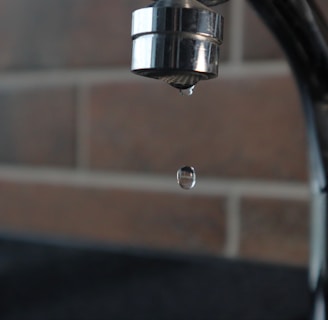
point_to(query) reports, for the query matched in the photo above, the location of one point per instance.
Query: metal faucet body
(177, 42)
(302, 32)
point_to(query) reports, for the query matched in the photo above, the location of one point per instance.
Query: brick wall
(90, 151)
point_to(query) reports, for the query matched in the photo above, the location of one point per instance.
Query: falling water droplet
(187, 92)
(186, 177)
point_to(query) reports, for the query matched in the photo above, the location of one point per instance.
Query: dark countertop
(44, 280)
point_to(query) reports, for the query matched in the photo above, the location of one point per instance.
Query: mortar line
(254, 69)
(236, 34)
(82, 127)
(83, 77)
(233, 225)
(153, 182)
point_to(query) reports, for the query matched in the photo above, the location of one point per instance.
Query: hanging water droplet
(186, 177)
(187, 92)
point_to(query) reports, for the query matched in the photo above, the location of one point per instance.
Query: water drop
(186, 177)
(187, 92)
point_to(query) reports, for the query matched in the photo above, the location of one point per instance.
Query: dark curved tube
(303, 35)
(302, 32)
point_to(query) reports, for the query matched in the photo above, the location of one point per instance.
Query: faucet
(178, 41)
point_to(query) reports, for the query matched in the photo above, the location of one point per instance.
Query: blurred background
(89, 151)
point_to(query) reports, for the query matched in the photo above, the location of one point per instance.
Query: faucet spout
(176, 41)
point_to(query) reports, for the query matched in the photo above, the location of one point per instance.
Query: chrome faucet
(178, 41)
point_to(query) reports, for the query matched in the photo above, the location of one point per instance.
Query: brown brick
(178, 222)
(259, 43)
(66, 33)
(275, 230)
(323, 5)
(37, 126)
(250, 127)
